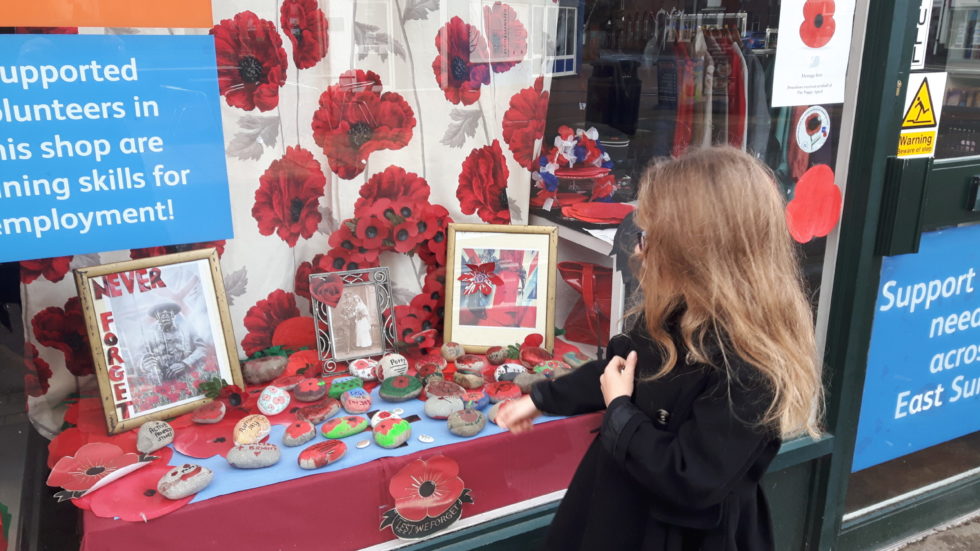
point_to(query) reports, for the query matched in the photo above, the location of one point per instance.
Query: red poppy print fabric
(52, 269)
(64, 329)
(251, 61)
(483, 185)
(37, 372)
(306, 27)
(524, 121)
(462, 65)
(506, 36)
(287, 201)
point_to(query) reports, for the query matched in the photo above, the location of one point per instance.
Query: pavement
(960, 537)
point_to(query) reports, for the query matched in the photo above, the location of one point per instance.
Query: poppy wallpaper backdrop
(355, 132)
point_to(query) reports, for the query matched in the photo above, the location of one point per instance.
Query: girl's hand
(516, 415)
(617, 380)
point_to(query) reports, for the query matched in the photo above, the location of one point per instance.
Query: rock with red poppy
(429, 371)
(471, 363)
(263, 370)
(392, 433)
(452, 351)
(185, 480)
(476, 399)
(470, 381)
(497, 355)
(400, 388)
(251, 429)
(381, 416)
(508, 371)
(345, 426)
(534, 355)
(363, 368)
(251, 61)
(575, 359)
(320, 411)
(298, 433)
(341, 385)
(466, 422)
(154, 435)
(504, 390)
(288, 382)
(310, 390)
(441, 407)
(393, 365)
(439, 388)
(273, 400)
(356, 400)
(321, 454)
(209, 413)
(253, 456)
(525, 381)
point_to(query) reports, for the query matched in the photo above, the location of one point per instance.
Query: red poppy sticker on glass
(93, 466)
(429, 497)
(816, 204)
(818, 22)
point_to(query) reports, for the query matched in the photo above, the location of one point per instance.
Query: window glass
(954, 46)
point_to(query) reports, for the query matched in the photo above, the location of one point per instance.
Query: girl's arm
(578, 392)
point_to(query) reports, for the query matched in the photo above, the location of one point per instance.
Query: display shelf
(576, 236)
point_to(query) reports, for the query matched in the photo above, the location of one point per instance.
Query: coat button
(663, 416)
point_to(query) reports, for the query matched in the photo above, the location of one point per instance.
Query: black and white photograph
(356, 323)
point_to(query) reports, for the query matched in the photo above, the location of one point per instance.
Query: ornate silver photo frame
(354, 315)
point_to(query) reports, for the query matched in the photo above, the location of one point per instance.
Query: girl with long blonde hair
(718, 368)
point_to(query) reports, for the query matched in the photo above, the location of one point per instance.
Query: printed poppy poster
(429, 497)
(498, 287)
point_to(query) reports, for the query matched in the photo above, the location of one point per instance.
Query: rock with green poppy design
(310, 390)
(345, 426)
(341, 385)
(400, 388)
(392, 433)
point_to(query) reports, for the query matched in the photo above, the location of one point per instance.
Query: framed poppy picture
(354, 314)
(158, 327)
(500, 284)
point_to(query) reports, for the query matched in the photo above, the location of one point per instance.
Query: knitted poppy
(262, 319)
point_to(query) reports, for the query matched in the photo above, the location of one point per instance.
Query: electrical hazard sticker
(920, 122)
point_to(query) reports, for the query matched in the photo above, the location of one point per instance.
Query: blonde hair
(718, 250)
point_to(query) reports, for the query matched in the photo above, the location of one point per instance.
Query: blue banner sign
(109, 142)
(923, 378)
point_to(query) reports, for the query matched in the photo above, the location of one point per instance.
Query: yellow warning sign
(920, 113)
(916, 143)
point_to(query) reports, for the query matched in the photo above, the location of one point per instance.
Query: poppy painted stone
(497, 355)
(575, 359)
(262, 370)
(251, 429)
(154, 435)
(525, 381)
(429, 371)
(393, 365)
(345, 426)
(469, 381)
(381, 416)
(470, 363)
(495, 410)
(253, 456)
(504, 390)
(363, 368)
(466, 422)
(392, 433)
(298, 433)
(400, 388)
(476, 399)
(319, 412)
(273, 400)
(551, 368)
(452, 351)
(185, 480)
(321, 454)
(310, 390)
(342, 384)
(508, 372)
(443, 388)
(288, 382)
(534, 355)
(356, 400)
(209, 413)
(434, 359)
(440, 407)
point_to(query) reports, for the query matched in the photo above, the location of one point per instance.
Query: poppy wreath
(575, 149)
(251, 61)
(818, 22)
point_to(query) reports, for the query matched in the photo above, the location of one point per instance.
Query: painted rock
(251, 429)
(533, 355)
(440, 407)
(345, 426)
(497, 355)
(321, 454)
(253, 456)
(466, 422)
(494, 411)
(392, 433)
(183, 481)
(443, 388)
(381, 416)
(551, 368)
(393, 365)
(429, 371)
(310, 390)
(154, 435)
(468, 380)
(318, 412)
(298, 433)
(525, 381)
(508, 372)
(341, 385)
(575, 359)
(504, 390)
(262, 370)
(288, 382)
(452, 351)
(400, 388)
(273, 400)
(363, 368)
(356, 400)
(433, 359)
(470, 363)
(209, 413)
(475, 399)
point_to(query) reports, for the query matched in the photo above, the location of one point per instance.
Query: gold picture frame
(511, 292)
(157, 327)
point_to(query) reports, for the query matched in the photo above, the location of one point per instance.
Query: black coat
(675, 467)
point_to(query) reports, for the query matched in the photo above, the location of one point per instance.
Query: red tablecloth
(342, 510)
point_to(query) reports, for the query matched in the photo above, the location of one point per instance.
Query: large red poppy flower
(262, 319)
(53, 269)
(372, 231)
(38, 372)
(251, 61)
(287, 201)
(202, 441)
(816, 204)
(92, 463)
(394, 184)
(327, 289)
(481, 278)
(483, 185)
(355, 119)
(149, 252)
(818, 22)
(134, 498)
(306, 26)
(523, 123)
(506, 36)
(64, 329)
(426, 488)
(461, 66)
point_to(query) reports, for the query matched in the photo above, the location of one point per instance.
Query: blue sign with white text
(109, 142)
(922, 386)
